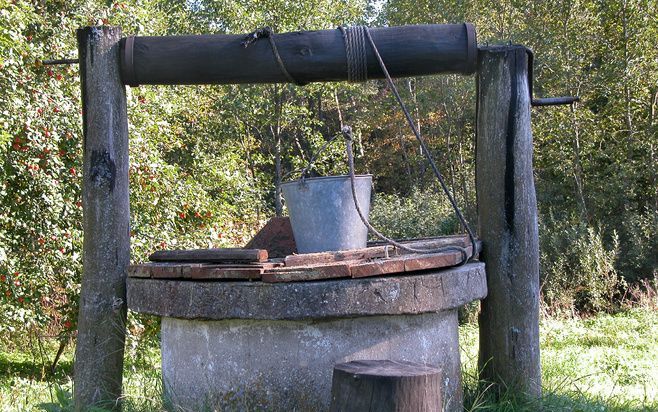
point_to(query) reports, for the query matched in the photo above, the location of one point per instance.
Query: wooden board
(210, 255)
(276, 237)
(307, 273)
(374, 252)
(317, 266)
(199, 271)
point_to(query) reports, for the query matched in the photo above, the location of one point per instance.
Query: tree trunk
(106, 222)
(507, 210)
(384, 385)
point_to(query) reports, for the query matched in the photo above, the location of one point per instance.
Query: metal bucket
(323, 215)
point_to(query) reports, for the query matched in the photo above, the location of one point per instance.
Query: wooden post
(386, 386)
(106, 210)
(507, 210)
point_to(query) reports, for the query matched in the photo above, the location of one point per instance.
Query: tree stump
(385, 385)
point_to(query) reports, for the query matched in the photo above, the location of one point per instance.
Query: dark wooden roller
(309, 56)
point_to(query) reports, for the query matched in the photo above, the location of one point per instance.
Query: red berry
(50, 73)
(181, 215)
(3, 278)
(72, 171)
(67, 325)
(21, 300)
(58, 76)
(8, 293)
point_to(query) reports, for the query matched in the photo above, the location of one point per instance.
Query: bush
(577, 270)
(423, 213)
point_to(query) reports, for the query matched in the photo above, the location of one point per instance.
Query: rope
(356, 53)
(426, 151)
(268, 34)
(347, 132)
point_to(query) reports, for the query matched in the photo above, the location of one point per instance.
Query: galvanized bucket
(323, 215)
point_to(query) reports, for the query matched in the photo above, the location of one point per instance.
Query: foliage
(207, 162)
(421, 214)
(577, 271)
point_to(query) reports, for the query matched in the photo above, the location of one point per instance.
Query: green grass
(604, 363)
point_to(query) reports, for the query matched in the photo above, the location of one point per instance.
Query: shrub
(423, 213)
(577, 270)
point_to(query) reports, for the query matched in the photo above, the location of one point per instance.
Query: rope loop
(356, 53)
(268, 33)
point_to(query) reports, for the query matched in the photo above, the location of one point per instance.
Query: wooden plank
(373, 252)
(198, 271)
(208, 272)
(308, 273)
(139, 271)
(377, 267)
(308, 56)
(413, 263)
(408, 263)
(276, 237)
(210, 255)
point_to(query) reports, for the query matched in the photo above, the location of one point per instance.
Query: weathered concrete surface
(397, 295)
(278, 365)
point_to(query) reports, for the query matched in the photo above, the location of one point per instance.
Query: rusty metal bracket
(547, 101)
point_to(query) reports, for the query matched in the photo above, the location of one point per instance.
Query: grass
(603, 363)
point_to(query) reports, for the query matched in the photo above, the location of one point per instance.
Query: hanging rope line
(347, 132)
(362, 57)
(267, 33)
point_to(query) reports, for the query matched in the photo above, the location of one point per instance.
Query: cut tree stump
(385, 385)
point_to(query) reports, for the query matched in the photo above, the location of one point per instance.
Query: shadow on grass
(26, 368)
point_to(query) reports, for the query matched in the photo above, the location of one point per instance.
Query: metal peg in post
(547, 101)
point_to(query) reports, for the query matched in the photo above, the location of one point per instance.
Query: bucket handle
(304, 172)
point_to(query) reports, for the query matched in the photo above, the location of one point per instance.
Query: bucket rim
(333, 177)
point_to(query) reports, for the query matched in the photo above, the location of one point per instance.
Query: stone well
(272, 346)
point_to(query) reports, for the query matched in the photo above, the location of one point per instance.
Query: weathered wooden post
(507, 210)
(106, 211)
